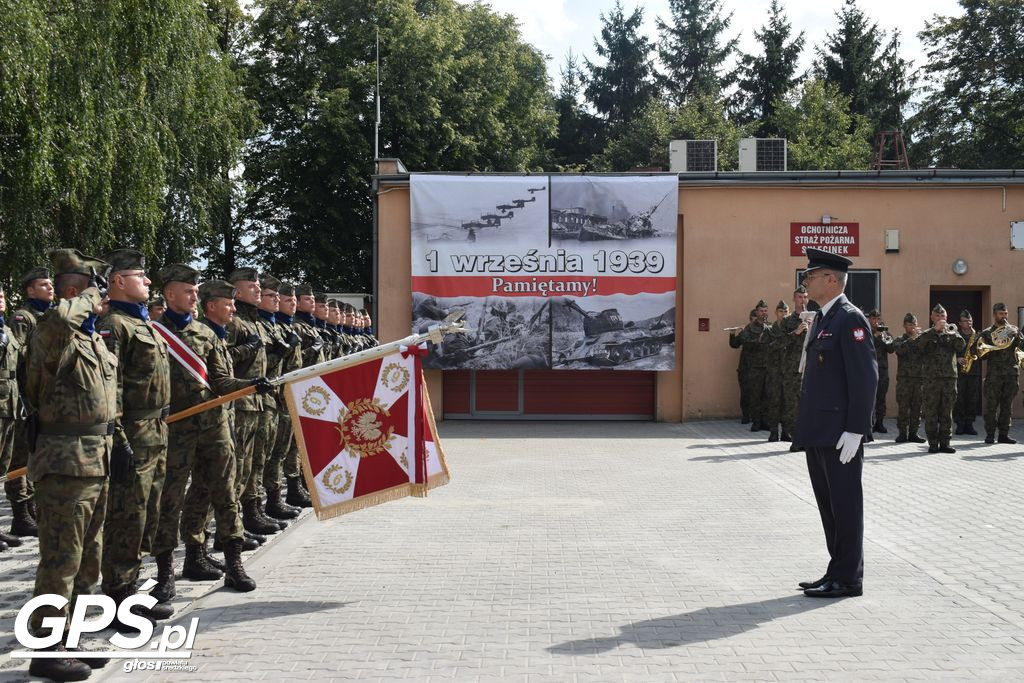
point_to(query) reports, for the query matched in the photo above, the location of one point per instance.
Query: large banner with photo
(560, 272)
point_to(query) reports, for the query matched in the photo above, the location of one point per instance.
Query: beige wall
(734, 250)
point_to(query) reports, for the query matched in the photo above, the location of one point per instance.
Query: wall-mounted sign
(838, 238)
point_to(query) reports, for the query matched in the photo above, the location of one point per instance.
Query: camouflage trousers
(292, 467)
(70, 513)
(757, 388)
(133, 513)
(968, 395)
(741, 376)
(908, 401)
(880, 394)
(266, 435)
(938, 394)
(246, 427)
(999, 393)
(792, 386)
(279, 454)
(14, 455)
(210, 452)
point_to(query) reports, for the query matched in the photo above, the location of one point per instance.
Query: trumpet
(732, 329)
(950, 328)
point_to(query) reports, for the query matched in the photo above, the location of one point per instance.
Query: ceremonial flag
(363, 432)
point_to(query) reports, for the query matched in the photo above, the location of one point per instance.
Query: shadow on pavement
(215, 617)
(710, 623)
(995, 457)
(739, 456)
(895, 457)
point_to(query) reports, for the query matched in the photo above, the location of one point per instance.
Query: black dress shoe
(795, 449)
(786, 436)
(813, 584)
(834, 589)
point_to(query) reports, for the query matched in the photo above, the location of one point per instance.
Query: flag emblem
(363, 429)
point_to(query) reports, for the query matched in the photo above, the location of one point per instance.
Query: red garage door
(549, 394)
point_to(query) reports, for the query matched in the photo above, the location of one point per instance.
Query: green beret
(910, 318)
(304, 290)
(268, 281)
(178, 272)
(999, 307)
(41, 273)
(874, 313)
(216, 289)
(68, 261)
(320, 297)
(125, 259)
(938, 310)
(250, 274)
(286, 289)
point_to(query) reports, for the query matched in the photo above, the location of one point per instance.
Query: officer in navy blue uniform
(835, 417)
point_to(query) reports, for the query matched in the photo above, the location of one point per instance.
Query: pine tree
(621, 88)
(693, 50)
(579, 132)
(767, 77)
(850, 58)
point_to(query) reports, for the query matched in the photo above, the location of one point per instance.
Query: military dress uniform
(1002, 381)
(10, 408)
(144, 395)
(968, 386)
(908, 386)
(938, 390)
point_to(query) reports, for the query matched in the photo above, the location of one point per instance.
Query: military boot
(959, 428)
(276, 507)
(946, 448)
(914, 438)
(933, 447)
(755, 426)
(969, 429)
(235, 577)
(296, 495)
(902, 436)
(786, 436)
(62, 669)
(196, 567)
(164, 591)
(250, 541)
(254, 522)
(1005, 438)
(120, 596)
(990, 437)
(773, 435)
(23, 524)
(211, 560)
(880, 428)
(279, 523)
(8, 541)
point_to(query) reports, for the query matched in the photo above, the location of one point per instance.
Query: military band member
(743, 368)
(757, 337)
(884, 345)
(908, 381)
(939, 346)
(968, 384)
(286, 453)
(775, 372)
(1002, 376)
(143, 402)
(794, 330)
(72, 385)
(10, 404)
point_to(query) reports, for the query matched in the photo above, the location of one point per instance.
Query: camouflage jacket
(249, 363)
(882, 351)
(757, 338)
(72, 378)
(1001, 363)
(736, 343)
(291, 361)
(10, 359)
(971, 347)
(938, 353)
(909, 356)
(23, 324)
(143, 376)
(274, 336)
(314, 350)
(186, 390)
(792, 344)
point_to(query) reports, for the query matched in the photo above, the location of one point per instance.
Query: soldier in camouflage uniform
(884, 345)
(773, 398)
(285, 454)
(200, 445)
(757, 337)
(156, 307)
(939, 346)
(38, 290)
(335, 316)
(10, 405)
(908, 381)
(1002, 379)
(143, 402)
(792, 333)
(71, 381)
(367, 329)
(968, 384)
(320, 314)
(247, 345)
(742, 370)
(313, 352)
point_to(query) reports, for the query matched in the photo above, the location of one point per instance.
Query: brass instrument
(732, 329)
(950, 328)
(1002, 338)
(883, 333)
(969, 357)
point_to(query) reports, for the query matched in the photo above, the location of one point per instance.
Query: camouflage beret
(268, 281)
(157, 301)
(216, 289)
(178, 272)
(938, 309)
(761, 304)
(286, 289)
(125, 259)
(68, 261)
(910, 318)
(966, 315)
(782, 306)
(999, 307)
(251, 274)
(40, 273)
(874, 313)
(320, 297)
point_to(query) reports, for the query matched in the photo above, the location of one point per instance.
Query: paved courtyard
(624, 552)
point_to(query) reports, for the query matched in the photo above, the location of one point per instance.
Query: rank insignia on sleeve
(859, 334)
(104, 333)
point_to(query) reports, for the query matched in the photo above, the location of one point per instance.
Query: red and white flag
(362, 432)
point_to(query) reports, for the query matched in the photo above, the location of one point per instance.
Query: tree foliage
(694, 51)
(580, 134)
(767, 77)
(820, 130)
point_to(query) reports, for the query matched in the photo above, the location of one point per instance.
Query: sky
(555, 26)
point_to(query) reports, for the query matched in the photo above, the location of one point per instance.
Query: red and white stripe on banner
(186, 357)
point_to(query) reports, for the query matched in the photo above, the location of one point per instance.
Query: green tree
(704, 117)
(821, 132)
(971, 116)
(619, 90)
(580, 133)
(117, 122)
(693, 50)
(644, 142)
(461, 91)
(767, 77)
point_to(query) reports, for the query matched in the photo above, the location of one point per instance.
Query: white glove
(847, 446)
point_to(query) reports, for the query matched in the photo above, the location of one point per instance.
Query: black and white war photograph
(595, 332)
(610, 209)
(485, 210)
(503, 332)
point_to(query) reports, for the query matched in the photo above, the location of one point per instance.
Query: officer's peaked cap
(819, 258)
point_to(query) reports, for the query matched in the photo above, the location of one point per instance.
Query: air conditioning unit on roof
(762, 154)
(692, 156)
